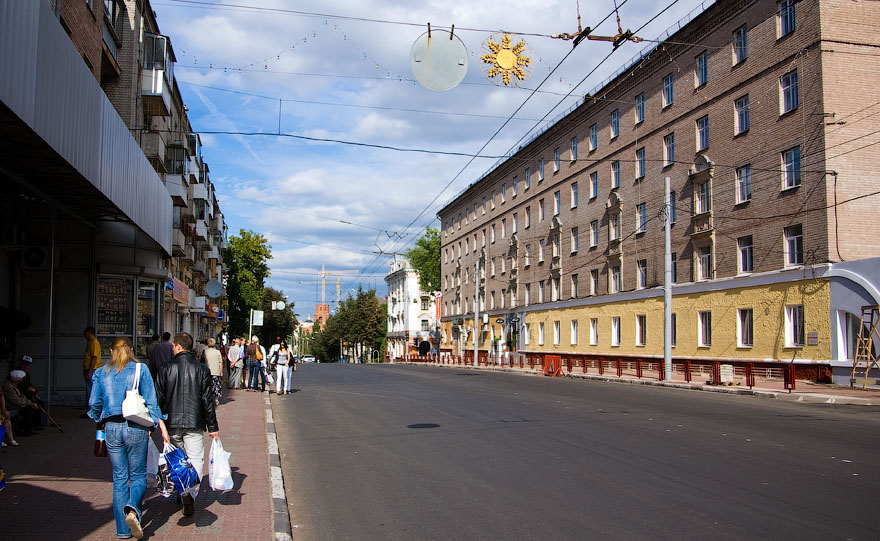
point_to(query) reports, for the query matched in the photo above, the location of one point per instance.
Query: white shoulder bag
(133, 407)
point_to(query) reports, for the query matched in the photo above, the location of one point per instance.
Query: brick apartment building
(762, 114)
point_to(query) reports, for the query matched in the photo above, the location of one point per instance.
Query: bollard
(601, 367)
(716, 373)
(788, 377)
(584, 360)
(687, 371)
(639, 368)
(750, 375)
(568, 364)
(661, 369)
(619, 369)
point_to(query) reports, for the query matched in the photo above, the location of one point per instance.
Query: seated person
(6, 420)
(26, 387)
(28, 411)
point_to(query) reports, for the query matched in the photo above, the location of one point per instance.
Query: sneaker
(187, 500)
(3, 444)
(131, 519)
(14, 443)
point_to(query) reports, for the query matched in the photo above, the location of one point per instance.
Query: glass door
(147, 315)
(114, 310)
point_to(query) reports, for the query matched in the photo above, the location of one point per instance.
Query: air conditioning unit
(37, 258)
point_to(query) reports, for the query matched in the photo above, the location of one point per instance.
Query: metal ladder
(865, 359)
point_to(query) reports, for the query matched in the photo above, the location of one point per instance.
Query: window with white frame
(514, 186)
(594, 184)
(615, 123)
(672, 207)
(704, 329)
(746, 255)
(740, 44)
(702, 126)
(785, 21)
(541, 170)
(668, 149)
(492, 267)
(574, 332)
(503, 228)
(575, 241)
(541, 333)
(541, 291)
(556, 333)
(640, 108)
(503, 264)
(614, 226)
(557, 244)
(594, 281)
(483, 237)
(744, 183)
(574, 194)
(574, 148)
(527, 292)
(668, 90)
(492, 201)
(594, 331)
(556, 157)
(512, 294)
(527, 256)
(541, 251)
(504, 193)
(788, 92)
(594, 137)
(704, 263)
(540, 210)
(467, 245)
(615, 331)
(640, 163)
(527, 179)
(674, 258)
(703, 201)
(574, 286)
(791, 168)
(526, 336)
(741, 120)
(614, 278)
(594, 233)
(794, 245)
(528, 218)
(554, 289)
(641, 217)
(674, 330)
(492, 234)
(615, 174)
(744, 334)
(641, 274)
(641, 329)
(514, 225)
(701, 70)
(794, 326)
(483, 207)
(491, 300)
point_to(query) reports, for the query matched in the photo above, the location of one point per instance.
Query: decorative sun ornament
(514, 64)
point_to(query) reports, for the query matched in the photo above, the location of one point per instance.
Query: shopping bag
(163, 479)
(180, 470)
(270, 379)
(2, 473)
(152, 460)
(220, 472)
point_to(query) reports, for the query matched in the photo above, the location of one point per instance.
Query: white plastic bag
(220, 472)
(269, 378)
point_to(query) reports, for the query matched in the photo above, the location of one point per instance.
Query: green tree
(276, 322)
(246, 259)
(357, 327)
(425, 258)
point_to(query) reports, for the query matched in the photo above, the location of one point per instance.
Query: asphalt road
(420, 452)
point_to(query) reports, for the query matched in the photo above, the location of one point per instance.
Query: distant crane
(323, 282)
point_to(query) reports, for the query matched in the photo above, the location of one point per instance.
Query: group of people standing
(249, 354)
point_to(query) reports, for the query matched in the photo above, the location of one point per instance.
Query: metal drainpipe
(50, 308)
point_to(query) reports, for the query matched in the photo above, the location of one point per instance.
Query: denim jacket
(109, 387)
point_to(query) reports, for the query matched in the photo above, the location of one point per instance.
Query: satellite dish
(213, 289)
(439, 60)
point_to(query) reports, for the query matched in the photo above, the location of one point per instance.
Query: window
(515, 223)
(528, 218)
(574, 332)
(788, 87)
(467, 246)
(785, 17)
(740, 45)
(556, 160)
(556, 244)
(540, 210)
(594, 184)
(641, 329)
(668, 85)
(615, 123)
(503, 228)
(574, 148)
(528, 294)
(541, 291)
(557, 197)
(674, 331)
(702, 133)
(492, 201)
(503, 265)
(741, 118)
(640, 108)
(640, 163)
(704, 263)
(641, 217)
(527, 178)
(492, 236)
(484, 237)
(703, 201)
(704, 328)
(492, 267)
(594, 281)
(669, 149)
(541, 251)
(594, 233)
(541, 170)
(672, 207)
(791, 168)
(614, 226)
(594, 139)
(556, 333)
(615, 331)
(674, 258)
(794, 245)
(614, 286)
(527, 257)
(526, 337)
(504, 193)
(574, 194)
(641, 274)
(594, 331)
(746, 256)
(513, 187)
(615, 174)
(794, 326)
(492, 300)
(575, 241)
(424, 326)
(483, 207)
(744, 328)
(541, 334)
(701, 71)
(744, 183)
(574, 286)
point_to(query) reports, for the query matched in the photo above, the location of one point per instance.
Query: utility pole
(477, 315)
(667, 289)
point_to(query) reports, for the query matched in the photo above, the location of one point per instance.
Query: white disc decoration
(439, 61)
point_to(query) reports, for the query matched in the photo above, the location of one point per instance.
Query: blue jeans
(127, 448)
(255, 371)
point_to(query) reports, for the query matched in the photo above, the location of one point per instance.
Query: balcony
(176, 189)
(192, 168)
(198, 191)
(615, 248)
(178, 243)
(201, 230)
(157, 75)
(556, 264)
(213, 253)
(703, 225)
(187, 213)
(198, 304)
(189, 254)
(200, 268)
(153, 145)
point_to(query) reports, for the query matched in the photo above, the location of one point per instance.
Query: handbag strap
(137, 377)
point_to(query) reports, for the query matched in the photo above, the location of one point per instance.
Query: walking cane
(51, 419)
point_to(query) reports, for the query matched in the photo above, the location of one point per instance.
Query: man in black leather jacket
(184, 393)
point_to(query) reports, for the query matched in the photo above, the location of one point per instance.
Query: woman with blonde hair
(126, 441)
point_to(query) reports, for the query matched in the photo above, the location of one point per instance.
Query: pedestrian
(256, 356)
(284, 366)
(126, 441)
(151, 355)
(201, 346)
(235, 364)
(163, 352)
(91, 360)
(243, 343)
(28, 411)
(214, 361)
(184, 393)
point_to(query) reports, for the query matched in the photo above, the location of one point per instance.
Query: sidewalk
(57, 489)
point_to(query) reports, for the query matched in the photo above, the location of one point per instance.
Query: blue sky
(350, 80)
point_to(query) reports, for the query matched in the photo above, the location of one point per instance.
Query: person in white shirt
(284, 367)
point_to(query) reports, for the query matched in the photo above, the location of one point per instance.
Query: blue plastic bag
(181, 472)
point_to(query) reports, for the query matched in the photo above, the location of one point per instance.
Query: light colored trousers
(193, 442)
(285, 371)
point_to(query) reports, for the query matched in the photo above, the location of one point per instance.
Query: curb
(281, 520)
(783, 396)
